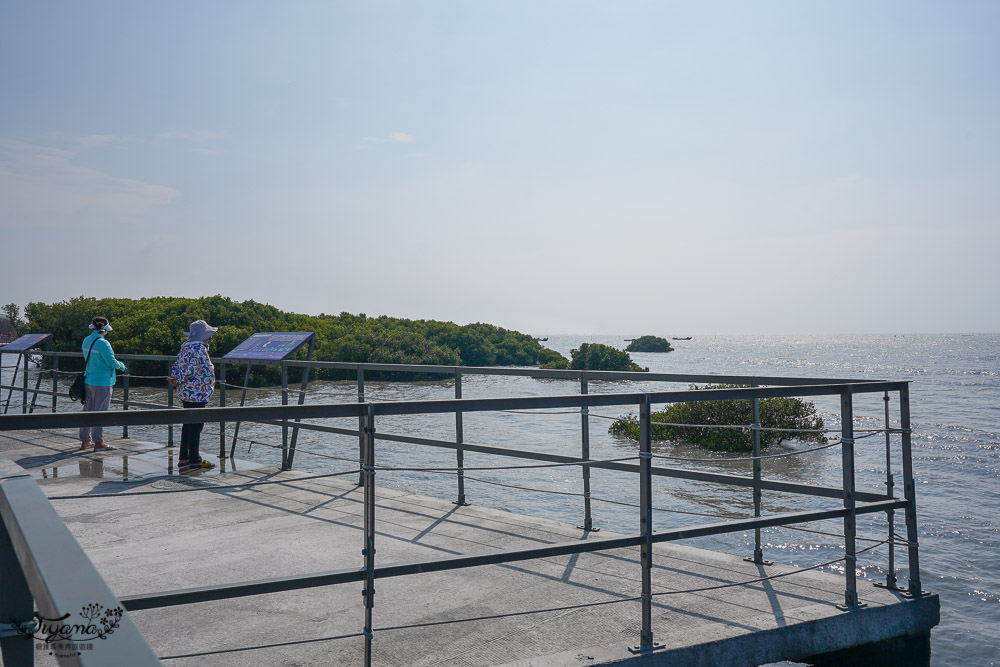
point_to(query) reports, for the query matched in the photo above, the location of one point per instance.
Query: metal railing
(853, 502)
(290, 432)
(43, 565)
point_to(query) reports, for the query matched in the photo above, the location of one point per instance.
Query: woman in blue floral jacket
(193, 375)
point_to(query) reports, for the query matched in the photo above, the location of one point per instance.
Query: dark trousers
(191, 437)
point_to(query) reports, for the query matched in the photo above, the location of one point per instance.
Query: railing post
(368, 472)
(909, 492)
(38, 384)
(13, 381)
(361, 424)
(588, 519)
(170, 427)
(850, 518)
(284, 422)
(16, 604)
(243, 400)
(24, 384)
(127, 375)
(646, 642)
(758, 552)
(890, 515)
(222, 404)
(55, 382)
(459, 452)
(303, 386)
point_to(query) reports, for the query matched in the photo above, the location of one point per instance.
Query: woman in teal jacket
(99, 378)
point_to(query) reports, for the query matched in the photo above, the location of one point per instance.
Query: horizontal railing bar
(630, 398)
(30, 390)
(508, 556)
(774, 520)
(500, 370)
(337, 410)
(243, 589)
(60, 576)
(11, 422)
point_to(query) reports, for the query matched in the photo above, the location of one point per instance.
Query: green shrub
(649, 344)
(154, 326)
(552, 359)
(598, 357)
(787, 413)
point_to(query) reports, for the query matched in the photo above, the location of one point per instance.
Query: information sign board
(270, 346)
(26, 342)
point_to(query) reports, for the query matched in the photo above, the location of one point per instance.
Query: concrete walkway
(573, 610)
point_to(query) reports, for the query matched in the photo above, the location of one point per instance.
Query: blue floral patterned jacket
(194, 373)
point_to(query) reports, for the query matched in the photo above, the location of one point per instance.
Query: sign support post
(260, 349)
(22, 345)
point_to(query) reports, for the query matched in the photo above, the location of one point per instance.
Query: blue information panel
(270, 346)
(25, 342)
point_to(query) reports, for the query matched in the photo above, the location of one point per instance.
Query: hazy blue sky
(655, 167)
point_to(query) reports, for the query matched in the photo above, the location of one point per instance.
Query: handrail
(336, 410)
(497, 370)
(854, 502)
(43, 562)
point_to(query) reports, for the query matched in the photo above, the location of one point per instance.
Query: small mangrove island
(796, 415)
(649, 344)
(597, 357)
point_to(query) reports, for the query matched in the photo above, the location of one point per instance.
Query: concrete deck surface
(554, 611)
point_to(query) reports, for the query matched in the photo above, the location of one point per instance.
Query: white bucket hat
(199, 330)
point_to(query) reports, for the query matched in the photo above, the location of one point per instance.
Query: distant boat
(541, 340)
(680, 338)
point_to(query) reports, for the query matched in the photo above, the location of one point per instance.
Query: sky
(670, 168)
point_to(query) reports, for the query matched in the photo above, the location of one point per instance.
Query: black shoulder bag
(78, 390)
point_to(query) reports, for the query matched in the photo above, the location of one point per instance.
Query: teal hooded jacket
(102, 365)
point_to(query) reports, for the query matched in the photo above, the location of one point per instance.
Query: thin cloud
(392, 138)
(94, 140)
(193, 137)
(103, 140)
(42, 185)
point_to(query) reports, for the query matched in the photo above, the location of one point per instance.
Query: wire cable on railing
(768, 578)
(213, 487)
(757, 458)
(746, 458)
(542, 412)
(524, 467)
(838, 535)
(748, 427)
(297, 450)
(594, 498)
(727, 515)
(290, 390)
